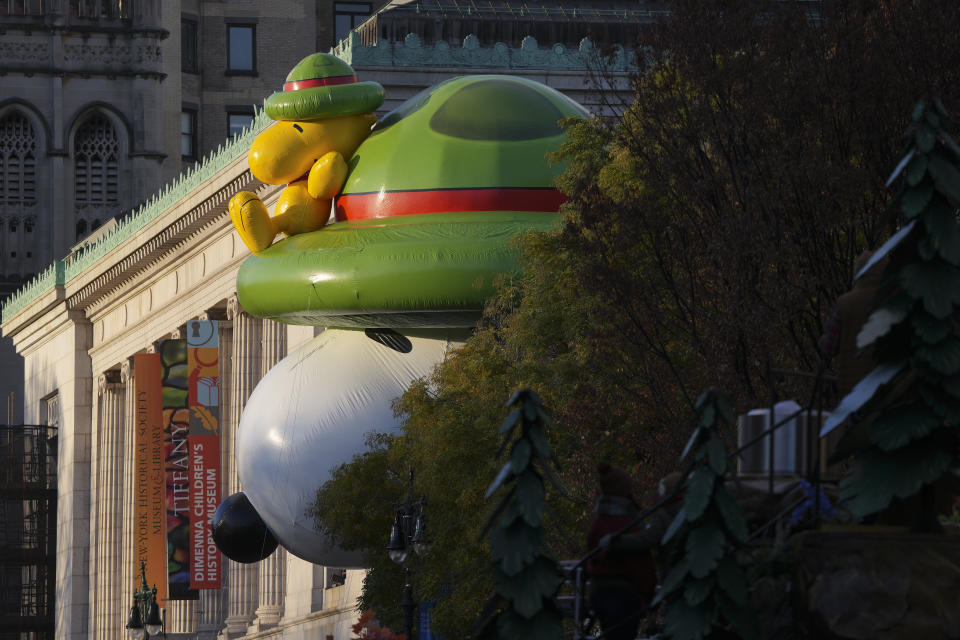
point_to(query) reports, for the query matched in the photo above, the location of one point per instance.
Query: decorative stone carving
(233, 307)
(110, 55)
(24, 52)
(220, 315)
(149, 53)
(412, 52)
(97, 54)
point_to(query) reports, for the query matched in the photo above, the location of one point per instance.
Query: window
(18, 161)
(188, 45)
(50, 411)
(188, 134)
(335, 577)
(241, 48)
(99, 9)
(96, 157)
(347, 15)
(21, 8)
(237, 120)
(96, 172)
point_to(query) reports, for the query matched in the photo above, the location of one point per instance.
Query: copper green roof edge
(63, 271)
(412, 52)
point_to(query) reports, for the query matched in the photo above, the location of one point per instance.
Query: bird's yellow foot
(252, 221)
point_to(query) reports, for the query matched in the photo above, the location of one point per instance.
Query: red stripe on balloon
(318, 82)
(401, 203)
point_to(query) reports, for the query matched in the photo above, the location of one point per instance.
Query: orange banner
(150, 541)
(203, 376)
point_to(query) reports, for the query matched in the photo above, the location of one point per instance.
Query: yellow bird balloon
(323, 114)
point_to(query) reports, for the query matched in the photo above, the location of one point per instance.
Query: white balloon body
(311, 413)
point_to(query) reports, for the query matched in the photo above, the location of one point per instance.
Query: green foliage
(710, 226)
(705, 589)
(376, 480)
(525, 580)
(916, 431)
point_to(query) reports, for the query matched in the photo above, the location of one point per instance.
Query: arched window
(96, 171)
(19, 147)
(96, 150)
(18, 161)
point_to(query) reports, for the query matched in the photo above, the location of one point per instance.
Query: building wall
(284, 33)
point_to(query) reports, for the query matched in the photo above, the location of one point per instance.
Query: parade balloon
(426, 204)
(322, 114)
(239, 531)
(312, 412)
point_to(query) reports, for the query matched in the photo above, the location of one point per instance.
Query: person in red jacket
(622, 574)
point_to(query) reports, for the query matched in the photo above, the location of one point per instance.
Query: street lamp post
(408, 533)
(144, 619)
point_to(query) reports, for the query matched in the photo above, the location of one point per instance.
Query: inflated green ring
(325, 102)
(431, 270)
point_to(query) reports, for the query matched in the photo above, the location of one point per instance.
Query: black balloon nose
(239, 531)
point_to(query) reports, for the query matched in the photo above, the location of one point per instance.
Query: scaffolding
(28, 513)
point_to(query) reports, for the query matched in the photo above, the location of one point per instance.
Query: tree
(705, 589)
(913, 441)
(706, 230)
(526, 580)
(368, 628)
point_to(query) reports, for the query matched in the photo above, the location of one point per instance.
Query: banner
(176, 421)
(150, 542)
(203, 365)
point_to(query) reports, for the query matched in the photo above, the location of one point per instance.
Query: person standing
(622, 573)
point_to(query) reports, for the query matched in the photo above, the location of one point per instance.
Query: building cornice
(471, 54)
(143, 235)
(30, 25)
(82, 73)
(113, 273)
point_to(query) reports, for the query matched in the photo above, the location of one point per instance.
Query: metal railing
(576, 577)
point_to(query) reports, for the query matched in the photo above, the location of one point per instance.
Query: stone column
(93, 552)
(107, 605)
(128, 563)
(272, 575)
(75, 393)
(244, 374)
(181, 617)
(210, 612)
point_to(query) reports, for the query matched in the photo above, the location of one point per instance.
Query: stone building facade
(104, 101)
(90, 108)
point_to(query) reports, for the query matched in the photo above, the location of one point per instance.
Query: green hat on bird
(323, 86)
